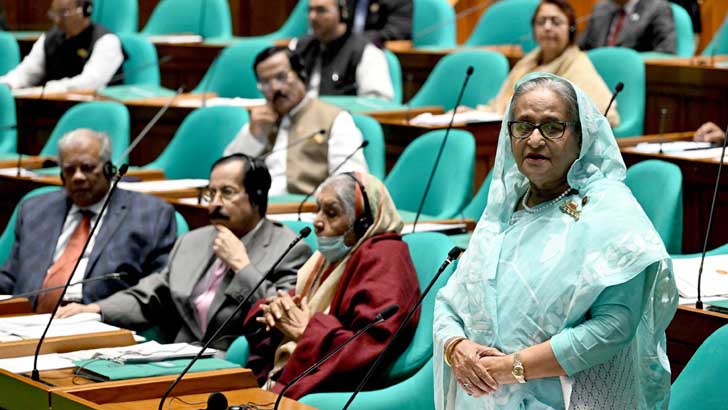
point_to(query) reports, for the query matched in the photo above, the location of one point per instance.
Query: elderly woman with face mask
(564, 294)
(361, 267)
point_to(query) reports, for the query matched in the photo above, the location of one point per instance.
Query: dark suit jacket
(650, 27)
(386, 20)
(164, 298)
(136, 236)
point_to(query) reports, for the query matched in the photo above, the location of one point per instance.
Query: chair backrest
(443, 84)
(475, 208)
(9, 51)
(452, 185)
(433, 24)
(630, 71)
(109, 117)
(207, 18)
(8, 135)
(657, 185)
(701, 384)
(296, 226)
(182, 227)
(719, 43)
(199, 141)
(231, 74)
(141, 66)
(395, 73)
(506, 22)
(296, 25)
(683, 31)
(8, 236)
(119, 16)
(428, 250)
(374, 153)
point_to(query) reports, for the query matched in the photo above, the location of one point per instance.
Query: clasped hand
(478, 369)
(288, 314)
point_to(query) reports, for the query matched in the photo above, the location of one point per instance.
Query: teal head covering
(527, 277)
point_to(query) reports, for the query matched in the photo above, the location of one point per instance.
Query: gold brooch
(572, 209)
(82, 52)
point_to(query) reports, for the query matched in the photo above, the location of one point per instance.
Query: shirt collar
(299, 106)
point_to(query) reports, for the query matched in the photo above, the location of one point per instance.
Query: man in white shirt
(337, 60)
(75, 54)
(286, 129)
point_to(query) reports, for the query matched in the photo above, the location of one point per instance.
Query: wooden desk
(14, 307)
(62, 344)
(698, 182)
(688, 329)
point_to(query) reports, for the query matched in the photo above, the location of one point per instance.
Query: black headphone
(363, 222)
(256, 180)
(297, 65)
(87, 8)
(109, 171)
(343, 11)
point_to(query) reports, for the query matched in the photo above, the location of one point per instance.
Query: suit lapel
(196, 272)
(115, 215)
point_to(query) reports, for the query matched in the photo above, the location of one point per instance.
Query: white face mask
(332, 247)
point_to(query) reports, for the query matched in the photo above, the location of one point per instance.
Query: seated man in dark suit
(134, 235)
(212, 269)
(382, 20)
(75, 54)
(643, 25)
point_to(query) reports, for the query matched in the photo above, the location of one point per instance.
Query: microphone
(201, 23)
(453, 255)
(319, 133)
(617, 89)
(468, 73)
(385, 314)
(122, 170)
(444, 22)
(110, 276)
(699, 302)
(363, 144)
(663, 117)
(217, 401)
(304, 232)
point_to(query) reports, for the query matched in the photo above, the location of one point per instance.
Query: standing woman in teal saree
(564, 294)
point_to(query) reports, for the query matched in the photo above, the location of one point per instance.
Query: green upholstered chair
(477, 205)
(506, 22)
(719, 43)
(109, 117)
(395, 73)
(8, 236)
(657, 185)
(296, 25)
(630, 71)
(701, 384)
(182, 227)
(453, 181)
(119, 16)
(296, 226)
(9, 52)
(374, 152)
(142, 65)
(231, 74)
(443, 84)
(207, 18)
(683, 31)
(433, 24)
(8, 134)
(199, 141)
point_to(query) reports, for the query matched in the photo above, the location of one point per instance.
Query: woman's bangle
(450, 348)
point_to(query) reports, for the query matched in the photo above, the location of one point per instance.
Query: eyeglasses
(227, 193)
(85, 168)
(57, 15)
(281, 78)
(555, 21)
(551, 130)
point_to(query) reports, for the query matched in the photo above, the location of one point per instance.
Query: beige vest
(307, 163)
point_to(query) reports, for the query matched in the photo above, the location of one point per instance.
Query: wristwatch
(518, 370)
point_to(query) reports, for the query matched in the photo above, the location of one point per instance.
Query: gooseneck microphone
(321, 132)
(110, 276)
(122, 170)
(385, 314)
(468, 73)
(304, 232)
(663, 117)
(617, 89)
(699, 302)
(333, 172)
(452, 256)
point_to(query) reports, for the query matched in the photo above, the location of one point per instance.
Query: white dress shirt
(105, 60)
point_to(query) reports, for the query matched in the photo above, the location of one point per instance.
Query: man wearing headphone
(134, 236)
(76, 54)
(211, 269)
(338, 61)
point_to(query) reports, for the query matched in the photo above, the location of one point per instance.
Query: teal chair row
(374, 152)
(119, 16)
(506, 22)
(444, 82)
(657, 186)
(630, 71)
(395, 74)
(433, 24)
(453, 180)
(8, 134)
(231, 74)
(9, 52)
(685, 44)
(296, 25)
(207, 18)
(142, 64)
(719, 43)
(199, 141)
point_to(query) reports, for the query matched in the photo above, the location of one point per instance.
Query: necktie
(204, 300)
(360, 15)
(616, 28)
(62, 269)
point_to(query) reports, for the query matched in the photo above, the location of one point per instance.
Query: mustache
(218, 214)
(278, 94)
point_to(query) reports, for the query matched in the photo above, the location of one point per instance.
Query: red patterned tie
(616, 28)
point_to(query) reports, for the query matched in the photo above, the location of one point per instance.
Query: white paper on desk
(13, 172)
(27, 92)
(433, 227)
(45, 362)
(305, 217)
(235, 102)
(711, 153)
(144, 352)
(461, 117)
(673, 146)
(5, 297)
(175, 38)
(713, 283)
(42, 319)
(32, 326)
(166, 185)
